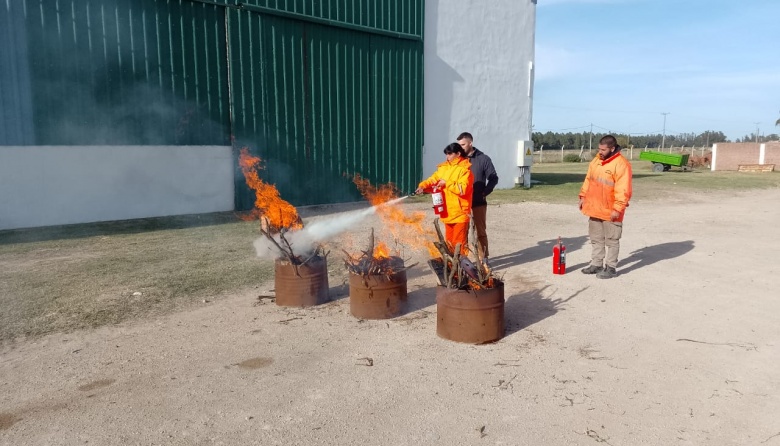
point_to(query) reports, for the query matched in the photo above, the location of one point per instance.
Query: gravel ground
(681, 348)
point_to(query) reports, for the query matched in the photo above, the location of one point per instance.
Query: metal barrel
(377, 296)
(470, 316)
(301, 285)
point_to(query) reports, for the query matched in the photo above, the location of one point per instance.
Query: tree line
(555, 140)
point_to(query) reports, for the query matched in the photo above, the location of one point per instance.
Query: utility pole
(663, 139)
(590, 139)
(756, 123)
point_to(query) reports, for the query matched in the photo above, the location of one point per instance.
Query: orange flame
(381, 251)
(407, 228)
(268, 203)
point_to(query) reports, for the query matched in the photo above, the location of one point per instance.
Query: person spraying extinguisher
(559, 258)
(451, 192)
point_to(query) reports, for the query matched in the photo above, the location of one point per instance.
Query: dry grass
(81, 276)
(560, 183)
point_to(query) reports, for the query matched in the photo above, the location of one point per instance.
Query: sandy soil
(683, 347)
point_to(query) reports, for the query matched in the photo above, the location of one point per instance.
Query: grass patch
(561, 182)
(82, 276)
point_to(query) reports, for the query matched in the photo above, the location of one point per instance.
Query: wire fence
(582, 154)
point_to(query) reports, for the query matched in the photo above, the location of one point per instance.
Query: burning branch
(374, 261)
(287, 250)
(456, 270)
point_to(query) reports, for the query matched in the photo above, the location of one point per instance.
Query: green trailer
(664, 161)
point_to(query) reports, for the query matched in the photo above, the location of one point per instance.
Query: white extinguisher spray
(439, 202)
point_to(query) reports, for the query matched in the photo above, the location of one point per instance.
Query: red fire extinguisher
(439, 202)
(559, 258)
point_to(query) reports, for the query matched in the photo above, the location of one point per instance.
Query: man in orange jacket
(604, 198)
(454, 177)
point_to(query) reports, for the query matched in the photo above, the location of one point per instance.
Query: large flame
(407, 228)
(381, 251)
(268, 203)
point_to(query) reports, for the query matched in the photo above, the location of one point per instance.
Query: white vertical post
(714, 156)
(541, 151)
(761, 153)
(562, 146)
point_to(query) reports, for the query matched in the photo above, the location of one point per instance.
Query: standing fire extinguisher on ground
(559, 258)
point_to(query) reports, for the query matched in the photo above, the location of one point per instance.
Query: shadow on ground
(542, 250)
(651, 254)
(526, 309)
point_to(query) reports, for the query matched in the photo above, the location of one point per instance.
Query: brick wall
(730, 155)
(772, 154)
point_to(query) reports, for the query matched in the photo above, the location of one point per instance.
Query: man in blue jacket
(485, 179)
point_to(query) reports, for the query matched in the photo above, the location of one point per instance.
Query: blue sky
(619, 64)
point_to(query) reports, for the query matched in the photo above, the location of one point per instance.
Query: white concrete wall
(55, 185)
(478, 78)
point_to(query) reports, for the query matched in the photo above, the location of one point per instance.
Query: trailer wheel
(658, 167)
(667, 167)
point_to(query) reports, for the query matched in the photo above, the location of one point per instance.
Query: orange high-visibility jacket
(459, 182)
(607, 187)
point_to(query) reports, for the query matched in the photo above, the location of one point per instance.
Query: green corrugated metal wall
(140, 72)
(321, 90)
(325, 101)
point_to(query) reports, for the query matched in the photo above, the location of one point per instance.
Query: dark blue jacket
(485, 177)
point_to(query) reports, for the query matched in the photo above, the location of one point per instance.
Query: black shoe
(592, 269)
(607, 273)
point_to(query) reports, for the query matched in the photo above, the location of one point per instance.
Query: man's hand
(441, 184)
(614, 215)
(418, 191)
(582, 200)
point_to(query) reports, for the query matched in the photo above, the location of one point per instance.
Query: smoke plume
(304, 241)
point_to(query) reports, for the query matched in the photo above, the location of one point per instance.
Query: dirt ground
(683, 347)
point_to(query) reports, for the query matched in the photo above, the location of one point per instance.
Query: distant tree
(554, 140)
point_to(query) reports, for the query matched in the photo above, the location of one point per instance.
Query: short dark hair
(608, 140)
(454, 147)
(466, 135)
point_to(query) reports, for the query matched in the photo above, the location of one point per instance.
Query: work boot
(608, 273)
(592, 269)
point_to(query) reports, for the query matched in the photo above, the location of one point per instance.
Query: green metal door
(320, 100)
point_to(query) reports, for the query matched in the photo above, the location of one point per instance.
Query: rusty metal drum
(470, 316)
(301, 285)
(377, 296)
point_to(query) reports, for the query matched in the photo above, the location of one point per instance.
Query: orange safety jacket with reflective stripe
(607, 187)
(459, 182)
